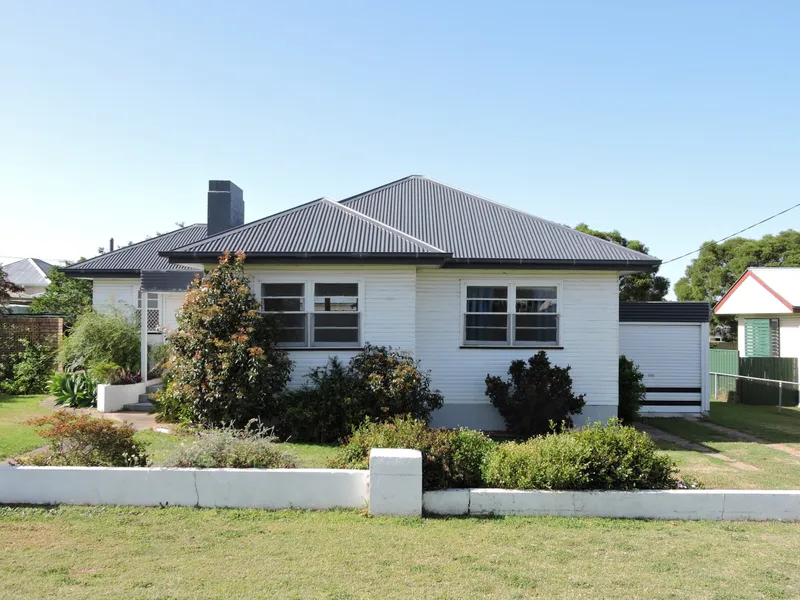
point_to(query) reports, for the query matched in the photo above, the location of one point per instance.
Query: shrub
(599, 457)
(81, 440)
(631, 391)
(76, 390)
(378, 384)
(101, 338)
(157, 357)
(537, 395)
(250, 448)
(449, 458)
(28, 372)
(224, 368)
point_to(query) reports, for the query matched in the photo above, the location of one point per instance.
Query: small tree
(6, 289)
(65, 296)
(110, 337)
(631, 390)
(224, 368)
(536, 395)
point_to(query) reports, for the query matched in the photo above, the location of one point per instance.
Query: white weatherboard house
(766, 301)
(463, 282)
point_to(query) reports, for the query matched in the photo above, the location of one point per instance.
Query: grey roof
(130, 260)
(478, 230)
(664, 312)
(321, 227)
(28, 271)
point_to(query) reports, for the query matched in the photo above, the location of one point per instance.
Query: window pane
(540, 293)
(344, 336)
(536, 321)
(537, 306)
(152, 300)
(487, 306)
(292, 320)
(336, 320)
(336, 289)
(292, 336)
(335, 303)
(282, 304)
(475, 291)
(283, 289)
(486, 320)
(536, 335)
(483, 334)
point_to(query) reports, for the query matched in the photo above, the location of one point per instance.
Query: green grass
(15, 436)
(761, 421)
(775, 469)
(148, 553)
(310, 456)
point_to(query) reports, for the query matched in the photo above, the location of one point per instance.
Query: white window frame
(511, 312)
(308, 305)
(157, 310)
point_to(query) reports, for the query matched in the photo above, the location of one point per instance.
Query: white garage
(670, 342)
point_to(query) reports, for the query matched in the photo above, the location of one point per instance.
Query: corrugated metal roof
(319, 227)
(477, 229)
(144, 255)
(664, 312)
(28, 271)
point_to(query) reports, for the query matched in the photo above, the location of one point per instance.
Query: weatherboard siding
(589, 334)
(387, 314)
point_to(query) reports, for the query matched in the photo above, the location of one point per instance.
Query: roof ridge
(250, 224)
(75, 266)
(384, 226)
(380, 187)
(529, 215)
(35, 262)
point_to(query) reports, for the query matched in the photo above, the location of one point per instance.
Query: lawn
(15, 436)
(148, 553)
(773, 469)
(761, 421)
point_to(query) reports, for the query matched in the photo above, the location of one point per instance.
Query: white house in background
(33, 275)
(463, 282)
(766, 302)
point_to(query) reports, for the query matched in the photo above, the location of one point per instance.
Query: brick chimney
(225, 206)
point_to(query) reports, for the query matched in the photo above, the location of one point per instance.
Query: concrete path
(679, 441)
(139, 421)
(746, 437)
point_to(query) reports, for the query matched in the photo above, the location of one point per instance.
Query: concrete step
(138, 407)
(152, 389)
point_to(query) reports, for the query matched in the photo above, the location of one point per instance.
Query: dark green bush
(224, 368)
(377, 384)
(598, 457)
(76, 390)
(83, 441)
(110, 336)
(29, 371)
(450, 459)
(631, 390)
(537, 395)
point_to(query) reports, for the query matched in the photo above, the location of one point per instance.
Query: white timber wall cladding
(589, 337)
(387, 315)
(171, 303)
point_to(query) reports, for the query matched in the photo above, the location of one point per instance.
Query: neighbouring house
(30, 274)
(766, 303)
(465, 283)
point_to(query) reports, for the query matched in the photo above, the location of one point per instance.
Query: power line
(733, 234)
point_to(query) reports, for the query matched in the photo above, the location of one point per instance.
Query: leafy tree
(224, 368)
(719, 265)
(64, 296)
(6, 289)
(640, 286)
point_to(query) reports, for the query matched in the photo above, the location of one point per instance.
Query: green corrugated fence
(724, 361)
(756, 392)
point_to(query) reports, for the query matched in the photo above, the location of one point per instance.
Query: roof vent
(225, 206)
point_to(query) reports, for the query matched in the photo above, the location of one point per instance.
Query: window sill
(322, 348)
(515, 347)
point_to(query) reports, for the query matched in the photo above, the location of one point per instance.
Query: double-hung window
(315, 313)
(514, 314)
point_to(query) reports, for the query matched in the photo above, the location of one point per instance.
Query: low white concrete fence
(391, 486)
(111, 398)
(713, 505)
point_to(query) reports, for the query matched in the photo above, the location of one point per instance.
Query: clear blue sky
(674, 123)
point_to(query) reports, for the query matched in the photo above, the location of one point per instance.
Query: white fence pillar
(395, 482)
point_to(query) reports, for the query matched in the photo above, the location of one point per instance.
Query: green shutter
(762, 337)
